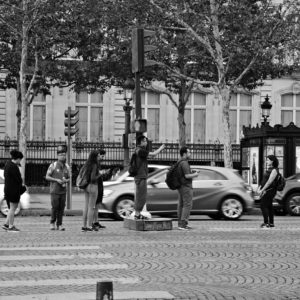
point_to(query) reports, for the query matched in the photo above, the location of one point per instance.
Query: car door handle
(218, 183)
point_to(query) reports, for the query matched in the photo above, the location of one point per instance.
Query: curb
(47, 212)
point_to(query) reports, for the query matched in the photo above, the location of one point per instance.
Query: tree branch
(162, 91)
(177, 19)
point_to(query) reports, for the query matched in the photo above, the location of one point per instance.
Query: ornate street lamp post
(266, 107)
(128, 88)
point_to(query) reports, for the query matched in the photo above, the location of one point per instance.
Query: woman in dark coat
(13, 185)
(267, 191)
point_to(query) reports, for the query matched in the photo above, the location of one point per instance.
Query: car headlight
(106, 193)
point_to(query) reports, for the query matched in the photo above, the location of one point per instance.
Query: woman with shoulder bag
(91, 191)
(267, 191)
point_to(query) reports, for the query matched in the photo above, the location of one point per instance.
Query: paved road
(215, 260)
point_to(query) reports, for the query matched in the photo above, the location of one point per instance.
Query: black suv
(288, 201)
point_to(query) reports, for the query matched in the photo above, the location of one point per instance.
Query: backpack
(280, 182)
(133, 168)
(173, 178)
(81, 180)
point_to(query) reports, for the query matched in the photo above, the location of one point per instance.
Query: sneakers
(13, 229)
(52, 226)
(140, 217)
(98, 225)
(61, 228)
(88, 229)
(5, 226)
(271, 225)
(264, 225)
(186, 228)
(83, 229)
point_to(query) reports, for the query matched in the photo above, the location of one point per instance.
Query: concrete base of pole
(104, 290)
(155, 224)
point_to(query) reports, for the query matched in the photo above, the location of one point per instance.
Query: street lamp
(128, 88)
(266, 107)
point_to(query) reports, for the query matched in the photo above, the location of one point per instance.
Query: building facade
(102, 118)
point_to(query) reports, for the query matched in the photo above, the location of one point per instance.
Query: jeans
(90, 193)
(140, 193)
(185, 202)
(58, 203)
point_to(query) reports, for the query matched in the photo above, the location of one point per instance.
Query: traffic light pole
(138, 106)
(69, 162)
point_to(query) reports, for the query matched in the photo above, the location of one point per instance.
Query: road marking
(91, 296)
(41, 257)
(59, 282)
(51, 248)
(64, 268)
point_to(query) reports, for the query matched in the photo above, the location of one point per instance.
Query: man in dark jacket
(13, 188)
(185, 192)
(140, 179)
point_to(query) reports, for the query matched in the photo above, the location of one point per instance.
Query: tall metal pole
(138, 106)
(127, 108)
(69, 161)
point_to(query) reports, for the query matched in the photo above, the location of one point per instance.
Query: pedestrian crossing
(47, 268)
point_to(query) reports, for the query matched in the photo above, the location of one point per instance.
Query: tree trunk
(19, 107)
(23, 87)
(224, 96)
(181, 122)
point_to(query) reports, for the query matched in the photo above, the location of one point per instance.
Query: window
(90, 108)
(195, 118)
(39, 122)
(240, 115)
(36, 125)
(151, 112)
(209, 175)
(290, 109)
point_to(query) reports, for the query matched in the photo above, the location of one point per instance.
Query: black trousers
(266, 206)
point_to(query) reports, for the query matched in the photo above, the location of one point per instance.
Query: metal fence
(41, 153)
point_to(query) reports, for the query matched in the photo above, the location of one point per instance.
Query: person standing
(58, 174)
(91, 191)
(185, 191)
(267, 191)
(13, 185)
(140, 180)
(96, 223)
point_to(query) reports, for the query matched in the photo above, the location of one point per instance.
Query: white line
(50, 248)
(41, 257)
(59, 282)
(64, 268)
(91, 296)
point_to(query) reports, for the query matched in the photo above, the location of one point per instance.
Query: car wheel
(293, 204)
(231, 208)
(215, 216)
(123, 208)
(4, 208)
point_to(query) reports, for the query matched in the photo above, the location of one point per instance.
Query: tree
(237, 44)
(46, 43)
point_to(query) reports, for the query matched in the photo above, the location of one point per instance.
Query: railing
(41, 153)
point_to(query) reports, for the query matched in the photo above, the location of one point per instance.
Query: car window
(1, 180)
(210, 175)
(161, 177)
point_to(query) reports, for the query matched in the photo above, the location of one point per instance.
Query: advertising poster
(297, 159)
(254, 180)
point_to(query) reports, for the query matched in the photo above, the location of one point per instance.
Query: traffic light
(139, 49)
(70, 122)
(140, 125)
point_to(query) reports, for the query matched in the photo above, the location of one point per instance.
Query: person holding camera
(185, 191)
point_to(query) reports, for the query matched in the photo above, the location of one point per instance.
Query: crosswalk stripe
(64, 268)
(59, 282)
(91, 296)
(50, 248)
(40, 257)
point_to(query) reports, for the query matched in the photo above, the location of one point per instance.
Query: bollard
(104, 290)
